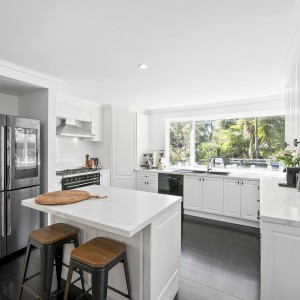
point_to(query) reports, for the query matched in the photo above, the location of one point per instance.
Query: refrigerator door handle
(8, 157)
(8, 232)
(2, 166)
(2, 215)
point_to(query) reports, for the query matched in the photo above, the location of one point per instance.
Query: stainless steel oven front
(74, 182)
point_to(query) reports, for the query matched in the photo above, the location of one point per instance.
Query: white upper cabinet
(73, 111)
(96, 125)
(89, 115)
(128, 137)
(292, 109)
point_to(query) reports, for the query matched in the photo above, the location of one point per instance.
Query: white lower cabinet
(235, 198)
(203, 194)
(104, 178)
(147, 182)
(250, 200)
(280, 263)
(193, 198)
(232, 198)
(213, 195)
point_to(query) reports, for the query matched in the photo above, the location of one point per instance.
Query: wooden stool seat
(97, 257)
(50, 241)
(98, 252)
(53, 233)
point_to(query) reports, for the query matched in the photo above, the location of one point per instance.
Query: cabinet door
(141, 186)
(105, 178)
(124, 150)
(75, 112)
(213, 195)
(232, 198)
(249, 200)
(152, 186)
(192, 193)
(280, 264)
(96, 127)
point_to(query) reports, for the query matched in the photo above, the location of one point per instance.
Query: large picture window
(241, 142)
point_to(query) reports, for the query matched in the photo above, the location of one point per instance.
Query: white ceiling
(196, 50)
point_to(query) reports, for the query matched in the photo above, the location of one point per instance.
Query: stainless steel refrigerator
(19, 180)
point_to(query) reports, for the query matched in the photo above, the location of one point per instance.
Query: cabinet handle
(258, 187)
(238, 182)
(258, 215)
(147, 182)
(242, 182)
(203, 179)
(258, 200)
(296, 142)
(286, 144)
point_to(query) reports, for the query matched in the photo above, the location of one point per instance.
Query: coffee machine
(150, 160)
(161, 163)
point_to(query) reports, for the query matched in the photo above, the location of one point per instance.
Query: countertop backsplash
(70, 152)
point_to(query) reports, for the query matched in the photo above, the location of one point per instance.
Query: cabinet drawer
(147, 176)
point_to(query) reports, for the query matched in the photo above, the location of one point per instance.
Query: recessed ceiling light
(275, 91)
(143, 66)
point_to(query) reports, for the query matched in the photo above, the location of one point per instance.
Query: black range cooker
(81, 177)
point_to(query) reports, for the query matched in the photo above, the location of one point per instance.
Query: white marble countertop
(124, 212)
(279, 204)
(233, 173)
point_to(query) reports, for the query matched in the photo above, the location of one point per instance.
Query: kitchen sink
(217, 173)
(201, 172)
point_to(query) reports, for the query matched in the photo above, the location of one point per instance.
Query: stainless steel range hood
(69, 128)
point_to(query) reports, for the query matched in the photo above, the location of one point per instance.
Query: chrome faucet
(208, 163)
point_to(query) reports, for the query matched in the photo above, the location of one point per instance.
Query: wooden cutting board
(64, 197)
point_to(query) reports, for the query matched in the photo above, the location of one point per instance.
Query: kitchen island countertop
(150, 226)
(124, 212)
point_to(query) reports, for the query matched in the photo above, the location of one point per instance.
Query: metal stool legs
(99, 279)
(48, 253)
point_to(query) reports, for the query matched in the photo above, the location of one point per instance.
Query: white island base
(150, 226)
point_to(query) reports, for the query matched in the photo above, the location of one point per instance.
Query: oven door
(23, 152)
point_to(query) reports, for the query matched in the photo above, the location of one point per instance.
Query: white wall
(9, 105)
(71, 152)
(39, 105)
(243, 108)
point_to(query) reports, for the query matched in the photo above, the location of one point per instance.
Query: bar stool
(50, 241)
(97, 257)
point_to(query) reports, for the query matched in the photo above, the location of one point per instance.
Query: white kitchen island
(150, 226)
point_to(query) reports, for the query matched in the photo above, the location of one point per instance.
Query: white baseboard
(221, 218)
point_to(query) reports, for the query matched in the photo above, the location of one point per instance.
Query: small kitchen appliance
(150, 160)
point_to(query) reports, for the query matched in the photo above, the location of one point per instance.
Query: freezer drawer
(20, 220)
(2, 225)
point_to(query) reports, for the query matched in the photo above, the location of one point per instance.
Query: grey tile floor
(219, 261)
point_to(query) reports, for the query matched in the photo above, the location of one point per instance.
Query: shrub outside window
(242, 142)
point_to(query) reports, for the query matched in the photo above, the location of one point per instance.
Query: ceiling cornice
(235, 103)
(10, 70)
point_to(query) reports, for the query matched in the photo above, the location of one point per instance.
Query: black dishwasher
(171, 184)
